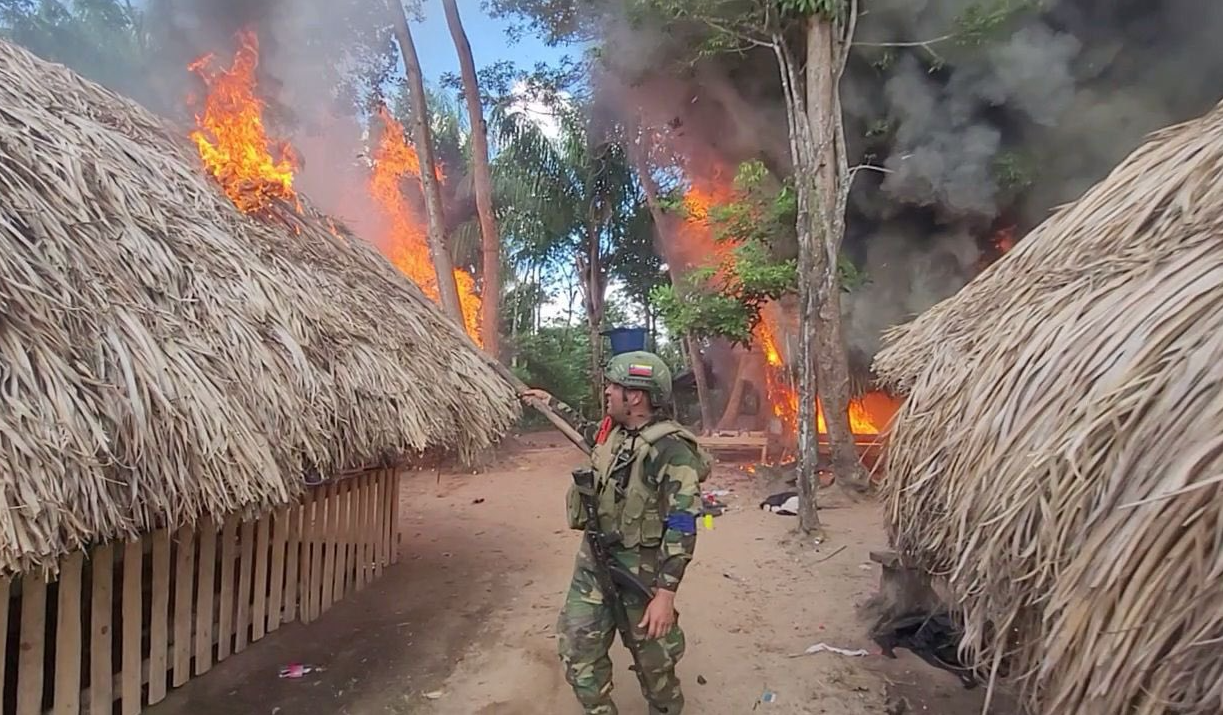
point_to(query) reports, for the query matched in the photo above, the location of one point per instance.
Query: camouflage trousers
(587, 627)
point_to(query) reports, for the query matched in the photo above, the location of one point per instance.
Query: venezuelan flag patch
(641, 370)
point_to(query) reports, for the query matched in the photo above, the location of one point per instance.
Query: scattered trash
(478, 501)
(825, 648)
(434, 695)
(711, 506)
(717, 493)
(768, 696)
(708, 521)
(865, 567)
(782, 504)
(700, 680)
(298, 670)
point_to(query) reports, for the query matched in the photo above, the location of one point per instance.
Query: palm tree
(570, 194)
(482, 178)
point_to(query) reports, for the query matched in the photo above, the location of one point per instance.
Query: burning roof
(167, 355)
(1058, 455)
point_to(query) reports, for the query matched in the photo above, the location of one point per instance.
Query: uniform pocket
(631, 518)
(574, 512)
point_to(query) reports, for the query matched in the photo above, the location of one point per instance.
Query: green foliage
(986, 20)
(1014, 171)
(724, 299)
(557, 359)
(828, 9)
(103, 40)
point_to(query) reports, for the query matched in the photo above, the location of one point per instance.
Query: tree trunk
(650, 188)
(590, 272)
(702, 387)
(807, 228)
(442, 264)
(490, 308)
(731, 411)
(831, 358)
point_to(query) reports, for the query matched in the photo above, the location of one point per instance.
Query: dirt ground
(464, 625)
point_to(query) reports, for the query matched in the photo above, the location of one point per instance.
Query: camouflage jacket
(671, 474)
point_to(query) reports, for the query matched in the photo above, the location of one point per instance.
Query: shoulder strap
(667, 428)
(658, 430)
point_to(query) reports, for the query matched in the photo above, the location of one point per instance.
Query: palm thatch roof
(163, 356)
(1059, 459)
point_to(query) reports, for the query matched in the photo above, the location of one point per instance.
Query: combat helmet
(641, 370)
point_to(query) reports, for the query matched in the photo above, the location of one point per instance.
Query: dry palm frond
(163, 356)
(1059, 458)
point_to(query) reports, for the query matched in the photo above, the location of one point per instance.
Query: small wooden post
(101, 667)
(394, 530)
(225, 615)
(68, 644)
(294, 563)
(204, 594)
(184, 587)
(159, 634)
(276, 599)
(329, 559)
(259, 612)
(133, 623)
(245, 566)
(33, 641)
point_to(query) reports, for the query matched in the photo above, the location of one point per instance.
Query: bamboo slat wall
(127, 621)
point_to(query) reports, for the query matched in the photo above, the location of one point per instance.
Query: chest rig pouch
(630, 503)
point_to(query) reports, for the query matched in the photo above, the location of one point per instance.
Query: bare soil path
(464, 624)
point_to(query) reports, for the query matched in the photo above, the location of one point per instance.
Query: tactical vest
(635, 511)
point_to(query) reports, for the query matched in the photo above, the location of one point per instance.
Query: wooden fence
(117, 629)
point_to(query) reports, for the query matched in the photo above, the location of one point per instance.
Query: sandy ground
(464, 625)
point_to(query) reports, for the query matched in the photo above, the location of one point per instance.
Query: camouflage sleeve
(680, 504)
(587, 428)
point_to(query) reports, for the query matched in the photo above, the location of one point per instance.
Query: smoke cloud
(318, 60)
(972, 137)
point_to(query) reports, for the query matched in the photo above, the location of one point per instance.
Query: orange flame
(231, 138)
(407, 246)
(867, 415)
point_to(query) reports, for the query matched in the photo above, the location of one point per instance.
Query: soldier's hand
(659, 616)
(533, 394)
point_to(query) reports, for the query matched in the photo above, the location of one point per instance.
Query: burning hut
(205, 411)
(1055, 467)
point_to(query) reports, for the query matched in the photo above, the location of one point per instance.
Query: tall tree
(490, 320)
(574, 190)
(434, 212)
(822, 30)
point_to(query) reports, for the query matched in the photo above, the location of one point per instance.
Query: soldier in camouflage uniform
(648, 473)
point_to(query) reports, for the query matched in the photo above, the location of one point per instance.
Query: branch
(927, 45)
(736, 34)
(847, 42)
(868, 167)
(917, 43)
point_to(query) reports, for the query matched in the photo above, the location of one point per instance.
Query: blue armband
(682, 521)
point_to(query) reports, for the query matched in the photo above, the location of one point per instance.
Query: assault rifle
(614, 579)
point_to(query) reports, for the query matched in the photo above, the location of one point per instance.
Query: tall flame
(867, 415)
(231, 137)
(406, 244)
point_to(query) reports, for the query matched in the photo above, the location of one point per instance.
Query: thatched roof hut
(1058, 461)
(163, 356)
